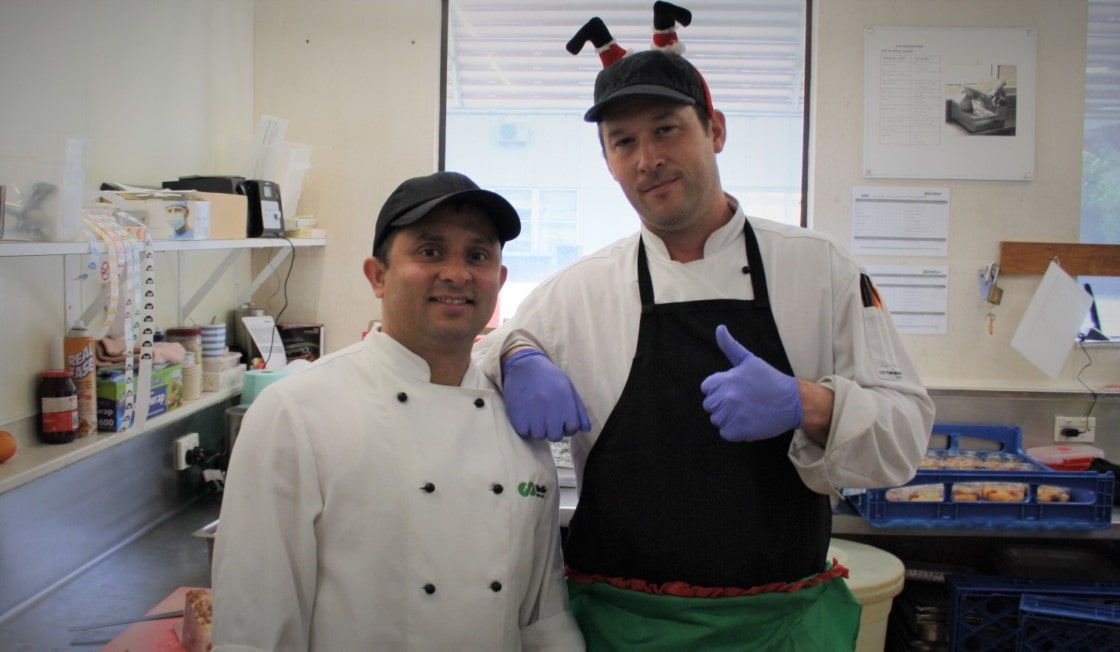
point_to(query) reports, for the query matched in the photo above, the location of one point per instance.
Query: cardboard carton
(168, 214)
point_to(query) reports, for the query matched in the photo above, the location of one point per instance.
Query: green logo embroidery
(528, 489)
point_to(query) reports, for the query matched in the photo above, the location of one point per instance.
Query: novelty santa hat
(658, 72)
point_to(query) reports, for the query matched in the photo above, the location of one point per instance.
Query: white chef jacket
(368, 509)
(585, 318)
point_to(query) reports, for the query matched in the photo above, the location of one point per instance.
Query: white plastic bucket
(875, 577)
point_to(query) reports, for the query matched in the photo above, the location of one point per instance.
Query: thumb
(731, 348)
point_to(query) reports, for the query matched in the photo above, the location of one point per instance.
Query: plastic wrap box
(1047, 623)
(1090, 493)
(985, 610)
(166, 394)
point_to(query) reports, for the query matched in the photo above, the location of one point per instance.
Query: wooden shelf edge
(1075, 258)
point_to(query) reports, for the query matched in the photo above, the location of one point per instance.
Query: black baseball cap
(650, 73)
(414, 199)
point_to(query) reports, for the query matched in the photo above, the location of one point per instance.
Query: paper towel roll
(256, 380)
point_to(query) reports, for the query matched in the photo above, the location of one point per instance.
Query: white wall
(156, 88)
(982, 212)
(359, 81)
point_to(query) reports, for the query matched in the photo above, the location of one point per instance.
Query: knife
(159, 616)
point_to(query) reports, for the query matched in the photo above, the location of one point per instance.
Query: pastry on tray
(198, 614)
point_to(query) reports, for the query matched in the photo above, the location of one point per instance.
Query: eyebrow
(665, 114)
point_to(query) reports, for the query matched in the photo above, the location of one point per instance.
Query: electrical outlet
(1075, 429)
(182, 445)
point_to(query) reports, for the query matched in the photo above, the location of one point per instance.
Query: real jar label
(60, 414)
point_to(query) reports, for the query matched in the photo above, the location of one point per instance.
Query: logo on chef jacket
(891, 373)
(528, 490)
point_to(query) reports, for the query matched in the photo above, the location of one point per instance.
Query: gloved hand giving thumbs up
(752, 400)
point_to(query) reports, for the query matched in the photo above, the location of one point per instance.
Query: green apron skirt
(820, 618)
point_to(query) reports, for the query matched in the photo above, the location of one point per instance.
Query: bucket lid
(874, 575)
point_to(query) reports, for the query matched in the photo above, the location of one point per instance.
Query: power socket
(182, 445)
(1075, 429)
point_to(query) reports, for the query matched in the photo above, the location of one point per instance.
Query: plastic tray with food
(977, 477)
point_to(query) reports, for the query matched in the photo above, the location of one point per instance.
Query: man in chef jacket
(721, 377)
(379, 499)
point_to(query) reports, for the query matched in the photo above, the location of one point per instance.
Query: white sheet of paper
(267, 339)
(893, 221)
(1046, 334)
(917, 296)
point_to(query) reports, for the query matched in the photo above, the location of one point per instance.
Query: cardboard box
(168, 214)
(166, 394)
(229, 215)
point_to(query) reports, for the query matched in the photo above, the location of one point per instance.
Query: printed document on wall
(917, 296)
(891, 221)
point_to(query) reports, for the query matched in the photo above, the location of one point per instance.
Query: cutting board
(154, 635)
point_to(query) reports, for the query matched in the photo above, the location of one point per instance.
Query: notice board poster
(949, 103)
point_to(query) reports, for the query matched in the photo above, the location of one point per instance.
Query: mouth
(452, 301)
(657, 185)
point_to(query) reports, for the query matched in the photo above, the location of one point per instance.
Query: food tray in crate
(978, 477)
(984, 611)
(1054, 623)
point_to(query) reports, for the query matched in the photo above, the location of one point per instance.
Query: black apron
(664, 498)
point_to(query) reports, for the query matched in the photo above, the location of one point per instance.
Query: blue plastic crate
(1055, 623)
(1090, 506)
(985, 610)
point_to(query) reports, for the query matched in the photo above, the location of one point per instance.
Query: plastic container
(991, 497)
(45, 178)
(984, 613)
(191, 339)
(875, 577)
(1053, 623)
(1066, 457)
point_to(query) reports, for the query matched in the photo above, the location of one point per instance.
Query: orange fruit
(7, 445)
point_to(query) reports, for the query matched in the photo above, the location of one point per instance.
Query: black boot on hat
(665, 18)
(595, 30)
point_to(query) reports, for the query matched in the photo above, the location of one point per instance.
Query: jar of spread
(58, 400)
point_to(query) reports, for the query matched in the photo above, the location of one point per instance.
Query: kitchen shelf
(35, 459)
(21, 248)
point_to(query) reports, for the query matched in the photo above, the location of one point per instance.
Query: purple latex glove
(541, 401)
(750, 401)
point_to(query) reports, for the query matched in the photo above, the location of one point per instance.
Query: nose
(649, 155)
(455, 271)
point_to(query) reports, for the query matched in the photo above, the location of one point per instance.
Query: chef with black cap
(379, 498)
(720, 376)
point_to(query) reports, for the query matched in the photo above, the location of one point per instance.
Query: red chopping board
(154, 635)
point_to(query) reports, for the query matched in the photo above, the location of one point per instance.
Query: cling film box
(166, 394)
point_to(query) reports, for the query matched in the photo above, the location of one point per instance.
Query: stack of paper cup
(213, 340)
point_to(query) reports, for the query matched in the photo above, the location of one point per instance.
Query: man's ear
(374, 270)
(719, 131)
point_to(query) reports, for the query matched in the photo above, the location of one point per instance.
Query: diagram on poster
(949, 103)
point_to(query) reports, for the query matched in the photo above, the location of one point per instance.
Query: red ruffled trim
(685, 590)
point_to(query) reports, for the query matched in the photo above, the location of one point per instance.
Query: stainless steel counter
(125, 584)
